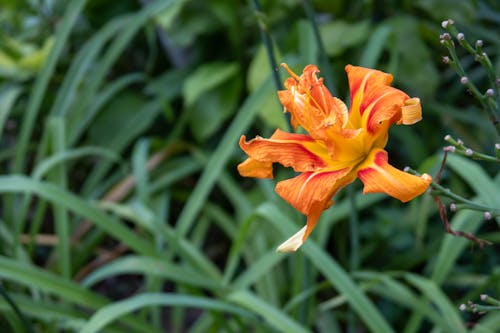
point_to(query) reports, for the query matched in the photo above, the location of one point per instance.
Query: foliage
(121, 207)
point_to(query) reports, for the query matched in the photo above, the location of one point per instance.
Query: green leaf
(219, 158)
(206, 78)
(332, 271)
(150, 267)
(340, 35)
(431, 290)
(116, 310)
(412, 59)
(276, 318)
(8, 96)
(60, 197)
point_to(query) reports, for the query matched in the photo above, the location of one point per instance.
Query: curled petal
(379, 176)
(299, 151)
(374, 101)
(411, 112)
(311, 104)
(311, 193)
(256, 169)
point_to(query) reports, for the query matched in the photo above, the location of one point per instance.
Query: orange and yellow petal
(299, 151)
(379, 176)
(311, 193)
(255, 169)
(311, 104)
(374, 101)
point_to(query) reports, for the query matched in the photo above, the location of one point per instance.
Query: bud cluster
(490, 99)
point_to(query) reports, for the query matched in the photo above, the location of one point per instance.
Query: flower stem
(266, 39)
(311, 15)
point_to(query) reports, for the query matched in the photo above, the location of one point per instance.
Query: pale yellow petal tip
(411, 112)
(426, 177)
(293, 243)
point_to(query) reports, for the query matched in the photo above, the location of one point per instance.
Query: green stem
(26, 323)
(266, 39)
(445, 192)
(325, 64)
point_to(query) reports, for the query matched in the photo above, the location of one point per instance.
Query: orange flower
(341, 145)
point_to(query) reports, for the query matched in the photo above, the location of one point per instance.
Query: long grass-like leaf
(273, 316)
(332, 271)
(73, 10)
(116, 310)
(219, 158)
(60, 197)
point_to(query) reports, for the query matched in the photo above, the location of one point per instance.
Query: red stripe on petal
(286, 149)
(379, 176)
(312, 191)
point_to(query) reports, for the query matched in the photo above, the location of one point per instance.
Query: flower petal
(299, 151)
(311, 104)
(374, 101)
(294, 242)
(379, 176)
(256, 169)
(311, 193)
(411, 112)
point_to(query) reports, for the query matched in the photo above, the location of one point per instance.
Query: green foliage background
(121, 207)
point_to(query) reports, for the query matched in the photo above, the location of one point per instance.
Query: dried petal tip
(293, 243)
(464, 80)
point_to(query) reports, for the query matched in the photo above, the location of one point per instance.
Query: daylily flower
(341, 145)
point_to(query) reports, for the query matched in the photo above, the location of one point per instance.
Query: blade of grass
(150, 267)
(431, 290)
(219, 158)
(73, 9)
(47, 164)
(364, 308)
(58, 137)
(58, 196)
(272, 315)
(116, 310)
(25, 323)
(8, 97)
(375, 46)
(34, 277)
